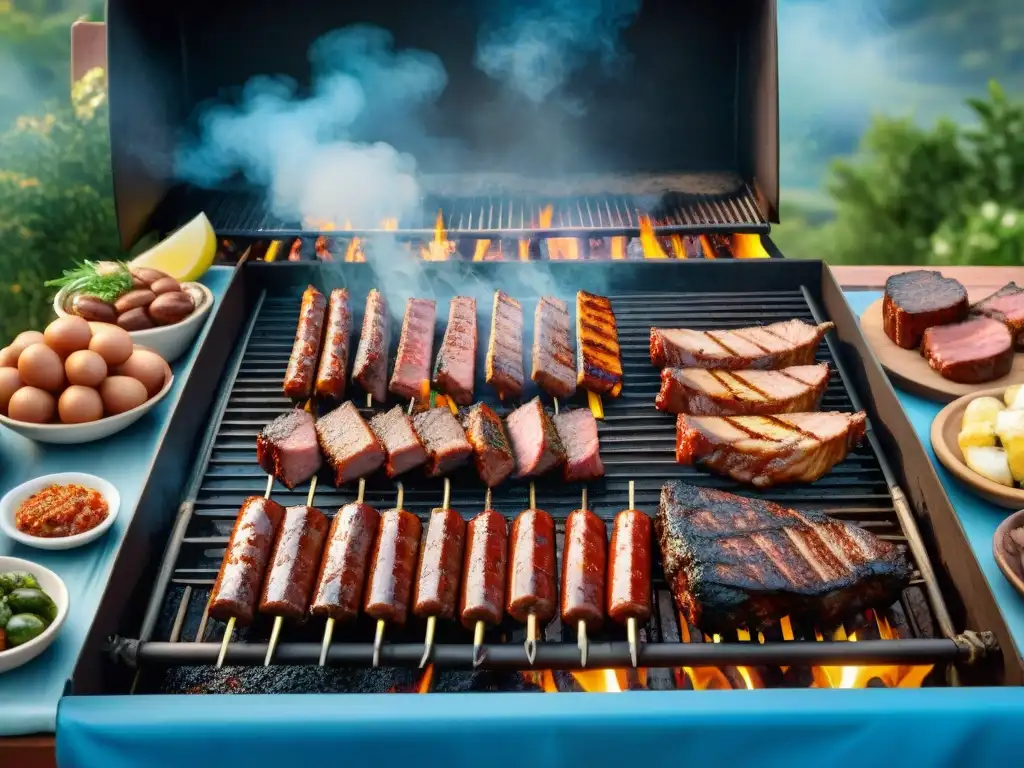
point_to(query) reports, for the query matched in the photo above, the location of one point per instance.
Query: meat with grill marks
(767, 347)
(492, 451)
(505, 348)
(348, 443)
(767, 450)
(598, 362)
(702, 392)
(554, 369)
(455, 368)
(415, 348)
(370, 370)
(734, 562)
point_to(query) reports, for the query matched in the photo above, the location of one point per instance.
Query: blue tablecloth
(29, 695)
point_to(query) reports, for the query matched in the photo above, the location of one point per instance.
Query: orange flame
(709, 250)
(354, 251)
(389, 225)
(559, 248)
(618, 248)
(480, 251)
(545, 680)
(652, 248)
(748, 247)
(440, 248)
(426, 681)
(323, 251)
(524, 250)
(678, 247)
(295, 254)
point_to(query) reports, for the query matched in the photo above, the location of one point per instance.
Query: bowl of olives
(33, 606)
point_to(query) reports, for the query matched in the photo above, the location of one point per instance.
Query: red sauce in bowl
(61, 510)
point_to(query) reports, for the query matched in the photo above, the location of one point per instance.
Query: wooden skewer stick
(369, 400)
(531, 620)
(480, 628)
(329, 628)
(378, 636)
(634, 650)
(556, 406)
(582, 641)
(428, 642)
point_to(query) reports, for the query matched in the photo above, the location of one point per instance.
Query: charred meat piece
(415, 348)
(767, 450)
(371, 366)
(492, 451)
(287, 449)
(446, 444)
(299, 377)
(702, 392)
(505, 349)
(598, 362)
(348, 444)
(455, 368)
(1007, 306)
(737, 562)
(977, 350)
(554, 369)
(394, 431)
(535, 441)
(577, 429)
(918, 300)
(763, 347)
(330, 376)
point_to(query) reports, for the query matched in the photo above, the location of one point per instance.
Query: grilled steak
(768, 450)
(764, 347)
(554, 369)
(446, 443)
(505, 348)
(577, 429)
(455, 368)
(395, 433)
(976, 350)
(918, 300)
(286, 448)
(598, 364)
(535, 441)
(370, 370)
(492, 451)
(737, 562)
(1007, 306)
(348, 443)
(415, 348)
(702, 392)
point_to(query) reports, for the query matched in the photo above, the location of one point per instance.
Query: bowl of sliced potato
(980, 439)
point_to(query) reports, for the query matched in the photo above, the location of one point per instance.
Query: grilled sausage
(298, 379)
(330, 376)
(245, 561)
(583, 569)
(483, 585)
(393, 567)
(531, 567)
(293, 567)
(339, 587)
(629, 567)
(437, 586)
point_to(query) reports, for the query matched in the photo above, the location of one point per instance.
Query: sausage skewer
(483, 586)
(583, 574)
(629, 571)
(532, 583)
(437, 586)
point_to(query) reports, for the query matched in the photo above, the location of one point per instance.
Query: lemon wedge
(186, 254)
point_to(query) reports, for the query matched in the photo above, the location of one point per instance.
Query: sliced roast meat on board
(554, 369)
(1007, 306)
(577, 429)
(703, 392)
(492, 451)
(442, 436)
(395, 433)
(370, 370)
(287, 449)
(505, 347)
(535, 441)
(764, 347)
(455, 368)
(415, 349)
(348, 444)
(918, 300)
(598, 358)
(977, 350)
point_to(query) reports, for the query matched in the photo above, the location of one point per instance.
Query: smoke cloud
(534, 46)
(304, 148)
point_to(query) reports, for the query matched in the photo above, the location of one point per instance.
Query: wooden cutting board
(910, 371)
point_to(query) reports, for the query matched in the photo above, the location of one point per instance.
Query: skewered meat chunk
(577, 429)
(554, 369)
(299, 377)
(287, 448)
(370, 370)
(598, 365)
(583, 569)
(330, 376)
(535, 441)
(446, 444)
(492, 451)
(395, 432)
(768, 347)
(768, 450)
(415, 348)
(1007, 306)
(295, 563)
(918, 300)
(977, 350)
(455, 368)
(737, 562)
(348, 444)
(629, 567)
(701, 392)
(505, 348)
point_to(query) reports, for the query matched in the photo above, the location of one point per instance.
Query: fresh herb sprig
(106, 280)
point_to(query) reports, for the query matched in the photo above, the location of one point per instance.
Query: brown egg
(86, 368)
(67, 334)
(78, 405)
(25, 339)
(122, 393)
(9, 357)
(32, 405)
(113, 344)
(10, 382)
(41, 367)
(149, 368)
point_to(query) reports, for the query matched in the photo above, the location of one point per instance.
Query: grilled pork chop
(286, 448)
(917, 300)
(1007, 306)
(701, 392)
(737, 562)
(977, 350)
(767, 347)
(768, 450)
(598, 359)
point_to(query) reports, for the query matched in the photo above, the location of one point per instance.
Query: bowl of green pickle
(33, 606)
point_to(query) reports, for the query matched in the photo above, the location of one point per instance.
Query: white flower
(941, 247)
(989, 211)
(1009, 220)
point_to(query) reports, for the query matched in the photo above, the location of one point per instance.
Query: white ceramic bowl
(14, 498)
(168, 341)
(52, 585)
(73, 434)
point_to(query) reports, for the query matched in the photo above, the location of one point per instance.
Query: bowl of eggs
(78, 381)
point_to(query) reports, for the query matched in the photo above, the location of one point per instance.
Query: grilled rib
(415, 348)
(702, 392)
(598, 363)
(370, 370)
(779, 345)
(455, 368)
(505, 348)
(735, 562)
(767, 450)
(554, 369)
